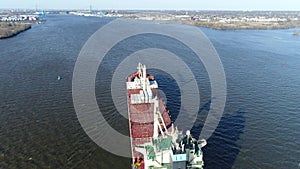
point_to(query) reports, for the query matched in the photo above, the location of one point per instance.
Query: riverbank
(240, 25)
(223, 20)
(10, 29)
(236, 25)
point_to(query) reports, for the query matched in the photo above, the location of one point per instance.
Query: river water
(39, 127)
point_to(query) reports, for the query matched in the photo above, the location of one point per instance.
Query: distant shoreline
(239, 25)
(223, 20)
(219, 20)
(233, 25)
(11, 29)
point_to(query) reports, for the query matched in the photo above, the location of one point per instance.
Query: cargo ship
(155, 142)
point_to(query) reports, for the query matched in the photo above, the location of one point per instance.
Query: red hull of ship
(142, 122)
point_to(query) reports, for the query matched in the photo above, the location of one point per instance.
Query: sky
(155, 4)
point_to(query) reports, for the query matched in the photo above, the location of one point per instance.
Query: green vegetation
(10, 29)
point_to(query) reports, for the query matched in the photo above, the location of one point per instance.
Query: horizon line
(138, 9)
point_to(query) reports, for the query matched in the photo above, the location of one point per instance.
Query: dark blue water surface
(39, 127)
